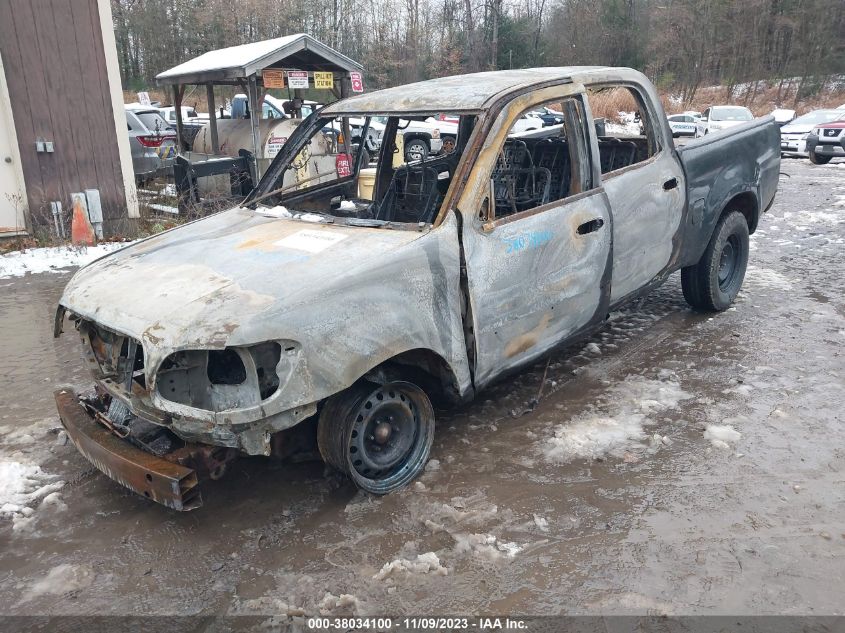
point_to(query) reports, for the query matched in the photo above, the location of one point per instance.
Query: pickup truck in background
(322, 311)
(723, 117)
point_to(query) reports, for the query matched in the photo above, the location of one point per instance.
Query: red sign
(343, 166)
(357, 82)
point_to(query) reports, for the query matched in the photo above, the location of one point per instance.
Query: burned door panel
(645, 185)
(648, 202)
(535, 280)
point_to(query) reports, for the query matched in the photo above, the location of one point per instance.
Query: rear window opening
(627, 137)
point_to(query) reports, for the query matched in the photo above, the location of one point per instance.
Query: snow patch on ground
(626, 127)
(767, 278)
(266, 605)
(485, 546)
(60, 580)
(427, 563)
(23, 485)
(722, 435)
(53, 259)
(331, 604)
(617, 423)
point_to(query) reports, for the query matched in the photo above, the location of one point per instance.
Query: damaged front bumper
(166, 482)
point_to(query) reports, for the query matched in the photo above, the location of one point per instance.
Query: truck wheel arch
(424, 367)
(747, 204)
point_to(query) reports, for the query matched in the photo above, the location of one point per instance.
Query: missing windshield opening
(368, 170)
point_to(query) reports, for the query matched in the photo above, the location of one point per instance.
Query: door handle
(670, 184)
(591, 226)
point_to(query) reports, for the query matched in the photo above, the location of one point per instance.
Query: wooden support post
(345, 86)
(297, 95)
(212, 118)
(255, 119)
(178, 92)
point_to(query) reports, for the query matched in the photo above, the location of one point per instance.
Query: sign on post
(273, 78)
(323, 80)
(297, 79)
(357, 81)
(343, 166)
(144, 98)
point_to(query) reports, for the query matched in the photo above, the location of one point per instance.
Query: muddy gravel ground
(677, 463)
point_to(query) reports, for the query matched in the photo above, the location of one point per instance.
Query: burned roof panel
(452, 94)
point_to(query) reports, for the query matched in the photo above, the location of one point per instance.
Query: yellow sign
(273, 78)
(324, 80)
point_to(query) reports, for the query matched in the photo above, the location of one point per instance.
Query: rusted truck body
(342, 311)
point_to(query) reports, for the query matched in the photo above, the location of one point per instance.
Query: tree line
(682, 45)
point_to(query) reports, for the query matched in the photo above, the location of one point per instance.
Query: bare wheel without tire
(378, 435)
(714, 282)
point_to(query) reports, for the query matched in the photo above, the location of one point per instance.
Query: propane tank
(236, 134)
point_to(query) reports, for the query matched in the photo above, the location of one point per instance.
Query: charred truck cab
(351, 289)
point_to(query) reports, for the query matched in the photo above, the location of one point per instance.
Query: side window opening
(539, 166)
(628, 136)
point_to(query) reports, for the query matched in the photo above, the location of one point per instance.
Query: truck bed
(742, 161)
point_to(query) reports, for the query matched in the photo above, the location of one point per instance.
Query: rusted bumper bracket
(162, 481)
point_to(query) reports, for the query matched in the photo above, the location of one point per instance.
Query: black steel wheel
(714, 282)
(378, 435)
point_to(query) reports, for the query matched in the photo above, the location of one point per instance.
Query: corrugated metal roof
(455, 93)
(237, 62)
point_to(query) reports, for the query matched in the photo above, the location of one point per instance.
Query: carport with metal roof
(245, 65)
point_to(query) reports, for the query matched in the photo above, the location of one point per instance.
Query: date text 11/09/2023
(416, 623)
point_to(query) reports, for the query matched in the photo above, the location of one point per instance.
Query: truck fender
(703, 214)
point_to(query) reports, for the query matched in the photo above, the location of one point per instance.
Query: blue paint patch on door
(526, 240)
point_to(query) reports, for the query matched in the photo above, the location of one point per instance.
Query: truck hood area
(798, 128)
(204, 284)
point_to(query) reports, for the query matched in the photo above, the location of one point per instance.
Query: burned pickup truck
(341, 298)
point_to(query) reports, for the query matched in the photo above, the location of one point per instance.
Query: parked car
(527, 122)
(793, 136)
(718, 118)
(783, 115)
(168, 113)
(192, 123)
(452, 272)
(826, 141)
(373, 133)
(685, 125)
(152, 142)
(549, 116)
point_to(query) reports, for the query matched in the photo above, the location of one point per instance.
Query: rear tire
(379, 436)
(714, 282)
(816, 159)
